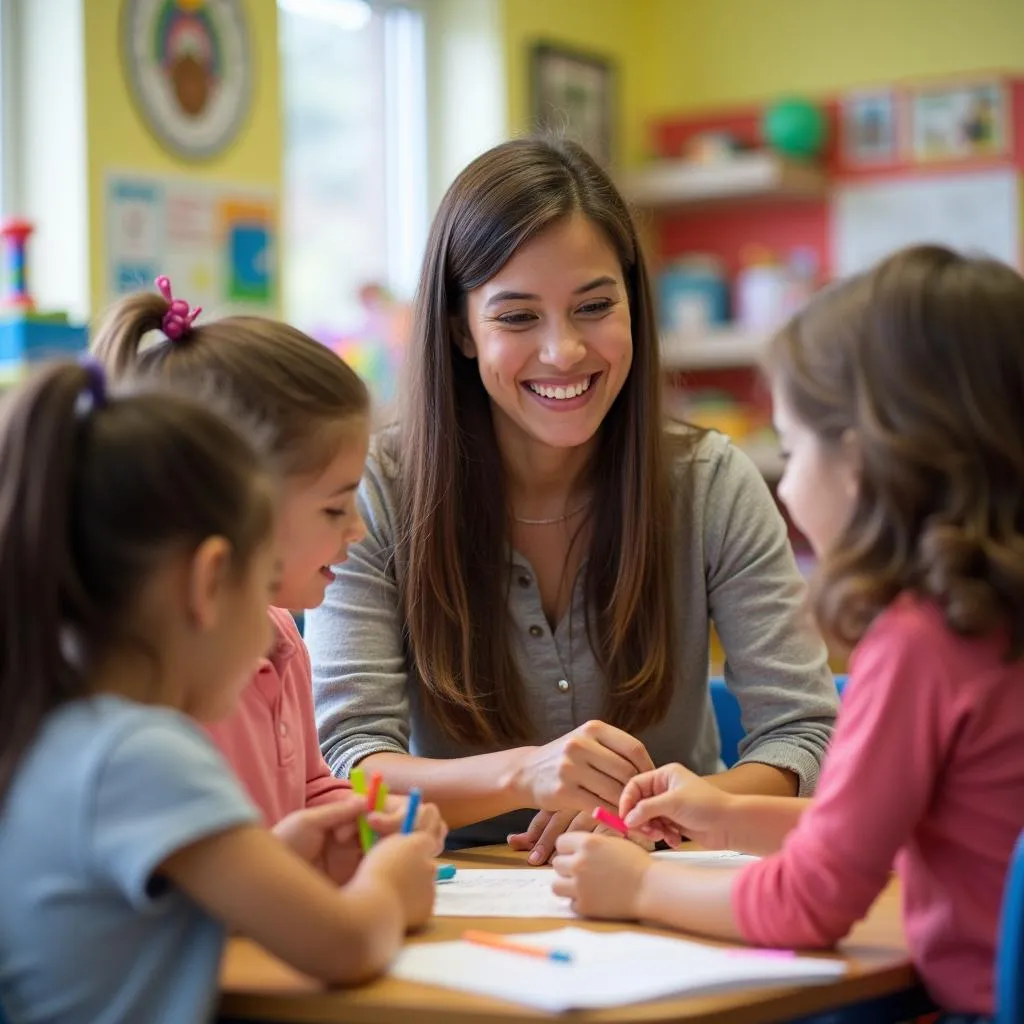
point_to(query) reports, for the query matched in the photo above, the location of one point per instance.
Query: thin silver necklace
(555, 519)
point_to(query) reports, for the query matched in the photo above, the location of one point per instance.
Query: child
(899, 398)
(317, 412)
(136, 556)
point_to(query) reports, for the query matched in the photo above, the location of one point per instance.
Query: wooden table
(258, 987)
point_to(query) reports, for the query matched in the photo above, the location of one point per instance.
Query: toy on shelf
(26, 336)
(14, 234)
(693, 295)
(796, 128)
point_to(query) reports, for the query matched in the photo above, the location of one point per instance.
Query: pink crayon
(611, 820)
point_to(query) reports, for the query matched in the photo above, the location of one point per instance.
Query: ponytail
(38, 431)
(117, 342)
(301, 389)
(92, 495)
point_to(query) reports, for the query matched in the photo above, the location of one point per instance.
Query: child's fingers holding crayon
(672, 802)
(427, 819)
(307, 831)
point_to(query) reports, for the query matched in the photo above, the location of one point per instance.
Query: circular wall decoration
(189, 69)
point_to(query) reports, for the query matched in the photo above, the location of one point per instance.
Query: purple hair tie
(178, 319)
(94, 393)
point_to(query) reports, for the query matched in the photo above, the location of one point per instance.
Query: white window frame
(10, 113)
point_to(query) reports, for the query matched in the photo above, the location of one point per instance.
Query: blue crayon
(413, 810)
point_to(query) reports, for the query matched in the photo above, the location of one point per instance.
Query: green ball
(795, 128)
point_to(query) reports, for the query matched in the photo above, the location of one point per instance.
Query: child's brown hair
(92, 494)
(298, 387)
(922, 360)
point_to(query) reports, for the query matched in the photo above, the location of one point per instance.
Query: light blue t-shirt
(106, 793)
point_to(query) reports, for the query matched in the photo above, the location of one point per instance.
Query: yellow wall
(618, 29)
(675, 55)
(707, 53)
(118, 139)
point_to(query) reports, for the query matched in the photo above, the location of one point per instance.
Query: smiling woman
(525, 626)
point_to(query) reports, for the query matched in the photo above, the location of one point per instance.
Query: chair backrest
(1010, 949)
(727, 715)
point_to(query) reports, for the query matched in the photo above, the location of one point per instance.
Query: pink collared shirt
(926, 771)
(271, 740)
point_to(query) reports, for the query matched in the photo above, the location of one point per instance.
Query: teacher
(525, 625)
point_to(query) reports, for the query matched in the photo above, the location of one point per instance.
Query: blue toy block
(26, 340)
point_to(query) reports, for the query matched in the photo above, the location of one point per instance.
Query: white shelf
(761, 175)
(720, 348)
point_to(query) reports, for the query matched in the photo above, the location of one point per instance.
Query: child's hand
(672, 803)
(405, 864)
(601, 875)
(428, 820)
(316, 834)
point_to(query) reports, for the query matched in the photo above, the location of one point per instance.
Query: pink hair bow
(178, 319)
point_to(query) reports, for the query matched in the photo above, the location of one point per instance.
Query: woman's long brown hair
(453, 529)
(922, 360)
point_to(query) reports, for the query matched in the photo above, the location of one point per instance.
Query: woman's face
(551, 335)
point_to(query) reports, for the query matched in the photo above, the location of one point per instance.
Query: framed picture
(959, 122)
(869, 129)
(574, 93)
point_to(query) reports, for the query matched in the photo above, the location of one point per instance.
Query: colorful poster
(217, 242)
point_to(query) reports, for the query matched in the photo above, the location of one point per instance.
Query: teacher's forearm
(465, 789)
(762, 779)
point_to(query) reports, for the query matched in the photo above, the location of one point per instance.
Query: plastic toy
(15, 234)
(795, 128)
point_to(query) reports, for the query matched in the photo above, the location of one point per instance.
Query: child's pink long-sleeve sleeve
(927, 763)
(271, 740)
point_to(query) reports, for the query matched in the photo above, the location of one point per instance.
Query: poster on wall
(959, 122)
(869, 129)
(573, 94)
(215, 241)
(188, 66)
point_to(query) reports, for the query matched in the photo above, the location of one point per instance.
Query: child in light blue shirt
(108, 791)
(137, 558)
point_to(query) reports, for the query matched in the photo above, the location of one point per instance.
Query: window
(355, 187)
(8, 94)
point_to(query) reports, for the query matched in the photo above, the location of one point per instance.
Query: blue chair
(1010, 951)
(727, 715)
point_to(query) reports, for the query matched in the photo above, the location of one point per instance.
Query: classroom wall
(710, 53)
(118, 139)
(611, 28)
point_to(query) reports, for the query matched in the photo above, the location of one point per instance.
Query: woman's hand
(672, 803)
(544, 830)
(586, 768)
(540, 838)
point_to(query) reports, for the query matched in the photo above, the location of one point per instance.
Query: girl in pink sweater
(314, 412)
(899, 400)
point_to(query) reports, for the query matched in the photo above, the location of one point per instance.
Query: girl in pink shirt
(899, 400)
(314, 411)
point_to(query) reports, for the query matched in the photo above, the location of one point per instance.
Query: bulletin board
(217, 242)
(972, 211)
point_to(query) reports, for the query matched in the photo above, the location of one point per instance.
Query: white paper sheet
(707, 858)
(608, 969)
(500, 892)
